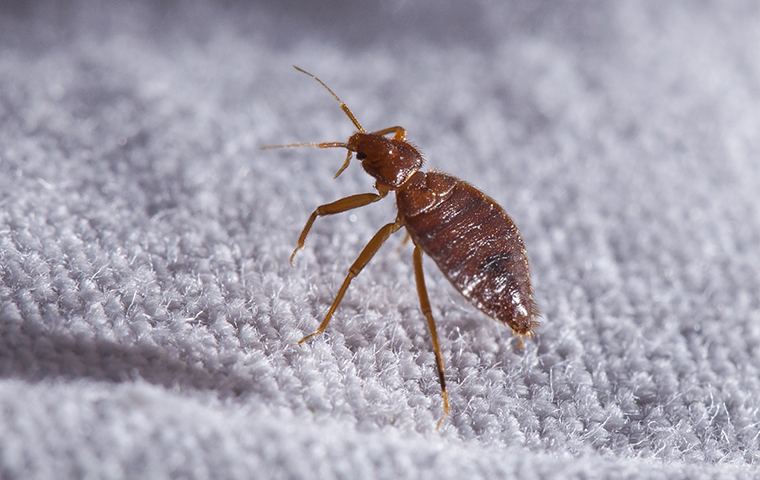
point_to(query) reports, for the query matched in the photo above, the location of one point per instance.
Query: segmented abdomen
(475, 244)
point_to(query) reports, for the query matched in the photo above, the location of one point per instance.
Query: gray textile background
(148, 315)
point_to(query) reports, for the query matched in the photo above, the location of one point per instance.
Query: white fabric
(149, 319)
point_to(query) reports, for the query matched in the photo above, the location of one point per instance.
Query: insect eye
(361, 155)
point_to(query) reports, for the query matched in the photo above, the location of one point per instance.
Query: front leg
(338, 206)
(399, 133)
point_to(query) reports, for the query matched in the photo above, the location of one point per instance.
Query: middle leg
(338, 206)
(364, 257)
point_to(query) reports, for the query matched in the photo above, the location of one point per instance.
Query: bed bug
(468, 235)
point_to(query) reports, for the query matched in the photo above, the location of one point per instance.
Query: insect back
(474, 243)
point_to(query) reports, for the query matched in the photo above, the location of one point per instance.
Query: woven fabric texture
(149, 319)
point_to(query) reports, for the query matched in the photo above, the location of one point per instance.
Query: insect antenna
(343, 105)
(345, 109)
(308, 144)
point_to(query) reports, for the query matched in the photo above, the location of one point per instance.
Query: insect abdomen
(475, 244)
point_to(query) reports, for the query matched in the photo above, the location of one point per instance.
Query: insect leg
(399, 132)
(426, 310)
(403, 242)
(369, 251)
(338, 206)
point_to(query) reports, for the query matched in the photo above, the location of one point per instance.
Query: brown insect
(474, 242)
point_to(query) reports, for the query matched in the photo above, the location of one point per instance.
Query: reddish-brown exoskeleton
(474, 242)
